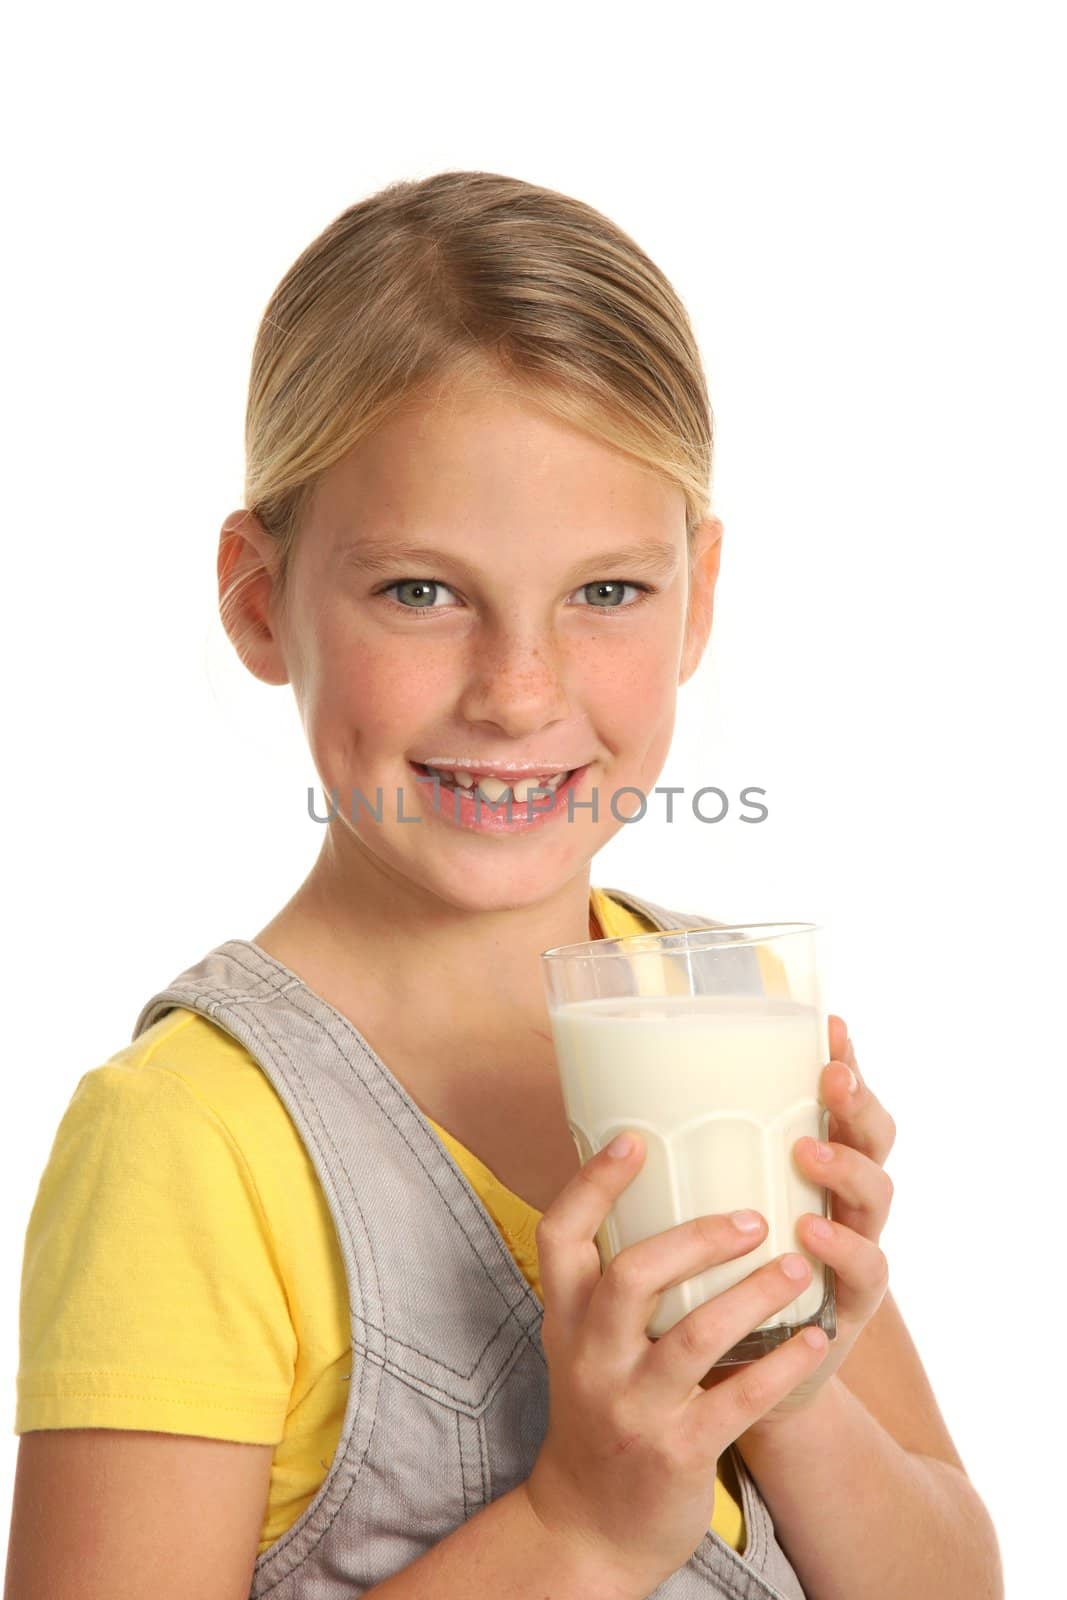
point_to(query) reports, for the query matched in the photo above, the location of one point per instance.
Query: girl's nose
(516, 683)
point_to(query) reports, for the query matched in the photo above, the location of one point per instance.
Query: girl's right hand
(629, 1457)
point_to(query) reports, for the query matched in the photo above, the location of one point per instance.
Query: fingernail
(747, 1221)
(621, 1145)
(853, 1081)
(823, 1151)
(820, 1227)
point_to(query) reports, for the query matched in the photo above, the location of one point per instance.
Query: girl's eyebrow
(373, 555)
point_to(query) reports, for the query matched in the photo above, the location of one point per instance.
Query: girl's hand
(627, 1465)
(860, 1134)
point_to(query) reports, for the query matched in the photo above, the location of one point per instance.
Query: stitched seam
(757, 1523)
(149, 1377)
(483, 1461)
(462, 1465)
(739, 1585)
(170, 1400)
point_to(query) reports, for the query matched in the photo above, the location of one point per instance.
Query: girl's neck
(471, 981)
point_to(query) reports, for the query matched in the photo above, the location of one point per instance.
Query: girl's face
(459, 592)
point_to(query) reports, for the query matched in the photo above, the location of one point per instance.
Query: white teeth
(523, 789)
(494, 789)
(527, 787)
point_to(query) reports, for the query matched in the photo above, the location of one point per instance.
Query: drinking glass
(710, 1042)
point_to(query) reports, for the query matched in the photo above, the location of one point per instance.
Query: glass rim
(687, 939)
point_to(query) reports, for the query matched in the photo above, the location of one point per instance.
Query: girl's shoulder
(217, 1072)
(150, 1294)
(220, 1073)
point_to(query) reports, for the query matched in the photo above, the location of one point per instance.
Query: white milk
(720, 1087)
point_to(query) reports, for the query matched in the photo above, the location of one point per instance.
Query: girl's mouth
(490, 805)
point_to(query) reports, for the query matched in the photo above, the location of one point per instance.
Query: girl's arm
(866, 1489)
(110, 1514)
(117, 1514)
(861, 1517)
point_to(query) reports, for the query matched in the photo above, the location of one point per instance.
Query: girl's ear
(246, 565)
(703, 573)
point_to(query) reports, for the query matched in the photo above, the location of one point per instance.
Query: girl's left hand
(861, 1134)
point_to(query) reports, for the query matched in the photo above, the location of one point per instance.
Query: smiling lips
(493, 787)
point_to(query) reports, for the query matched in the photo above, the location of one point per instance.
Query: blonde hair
(453, 278)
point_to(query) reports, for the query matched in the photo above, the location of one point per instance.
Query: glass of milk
(710, 1043)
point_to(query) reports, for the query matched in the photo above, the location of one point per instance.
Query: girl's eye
(611, 592)
(420, 587)
(424, 590)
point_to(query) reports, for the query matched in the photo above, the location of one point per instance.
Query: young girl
(311, 1300)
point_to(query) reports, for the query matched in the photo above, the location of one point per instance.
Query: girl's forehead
(492, 467)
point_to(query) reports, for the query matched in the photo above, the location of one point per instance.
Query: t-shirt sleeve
(150, 1295)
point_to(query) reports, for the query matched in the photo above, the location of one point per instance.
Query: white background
(862, 208)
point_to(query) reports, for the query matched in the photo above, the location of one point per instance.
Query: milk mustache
(719, 1087)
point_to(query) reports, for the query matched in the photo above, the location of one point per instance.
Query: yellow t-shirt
(181, 1271)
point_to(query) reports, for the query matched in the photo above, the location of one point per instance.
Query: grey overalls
(448, 1406)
